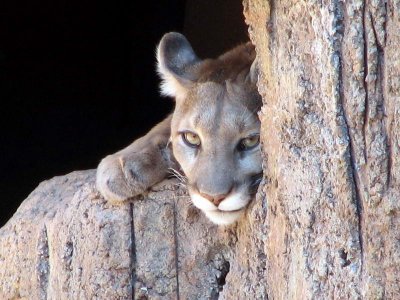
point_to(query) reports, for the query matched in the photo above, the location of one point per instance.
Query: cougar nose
(217, 199)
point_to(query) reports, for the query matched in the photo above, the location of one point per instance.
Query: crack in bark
(357, 196)
(365, 85)
(43, 264)
(353, 169)
(352, 155)
(381, 77)
(133, 252)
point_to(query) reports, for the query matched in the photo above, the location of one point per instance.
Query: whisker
(182, 178)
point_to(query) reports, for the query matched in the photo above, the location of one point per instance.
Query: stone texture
(66, 242)
(330, 128)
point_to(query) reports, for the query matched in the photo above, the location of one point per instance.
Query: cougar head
(215, 128)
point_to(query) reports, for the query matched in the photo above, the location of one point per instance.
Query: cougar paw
(118, 178)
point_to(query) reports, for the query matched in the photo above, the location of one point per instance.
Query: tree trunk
(325, 223)
(330, 80)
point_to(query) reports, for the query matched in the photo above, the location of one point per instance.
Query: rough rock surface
(330, 81)
(66, 242)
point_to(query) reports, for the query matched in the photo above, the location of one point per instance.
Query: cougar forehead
(214, 110)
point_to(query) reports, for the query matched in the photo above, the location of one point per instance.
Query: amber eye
(191, 139)
(249, 142)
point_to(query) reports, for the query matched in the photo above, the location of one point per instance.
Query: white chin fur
(228, 212)
(223, 217)
(235, 201)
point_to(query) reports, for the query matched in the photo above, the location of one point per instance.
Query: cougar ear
(176, 64)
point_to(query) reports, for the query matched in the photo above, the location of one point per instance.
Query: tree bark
(330, 81)
(325, 223)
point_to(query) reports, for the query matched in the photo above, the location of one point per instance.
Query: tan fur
(228, 66)
(217, 100)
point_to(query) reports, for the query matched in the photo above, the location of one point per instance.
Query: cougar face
(215, 128)
(216, 142)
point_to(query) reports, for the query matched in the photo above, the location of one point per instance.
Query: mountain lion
(210, 141)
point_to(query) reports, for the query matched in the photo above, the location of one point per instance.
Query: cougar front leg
(134, 169)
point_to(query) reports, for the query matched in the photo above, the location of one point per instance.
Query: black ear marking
(176, 53)
(176, 61)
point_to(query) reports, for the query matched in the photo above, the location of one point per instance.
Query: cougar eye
(249, 142)
(191, 139)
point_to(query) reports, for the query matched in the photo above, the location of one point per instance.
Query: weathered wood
(330, 81)
(66, 242)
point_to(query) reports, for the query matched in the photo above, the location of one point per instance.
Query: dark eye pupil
(248, 143)
(191, 139)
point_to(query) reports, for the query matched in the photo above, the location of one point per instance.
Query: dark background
(78, 81)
